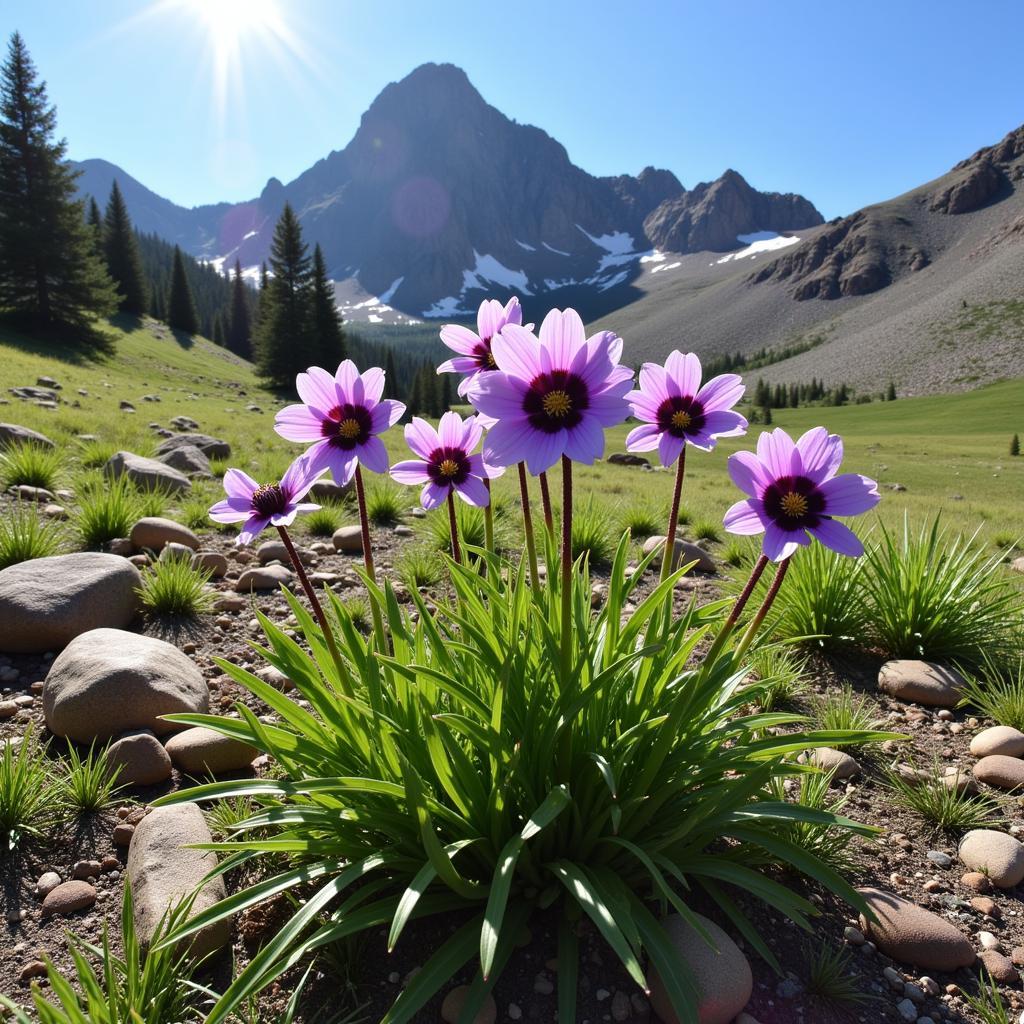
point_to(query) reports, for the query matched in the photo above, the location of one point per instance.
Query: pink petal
(849, 494)
(685, 372)
(746, 517)
(644, 438)
(821, 453)
(544, 450)
(410, 472)
(460, 364)
(748, 473)
(489, 317)
(838, 536)
(653, 383)
(299, 423)
(777, 452)
(516, 352)
(724, 424)
(609, 408)
(669, 448)
(285, 518)
(472, 432)
(721, 392)
(316, 388)
(507, 442)
(299, 477)
(585, 442)
(499, 395)
(459, 339)
(450, 428)
(254, 525)
(473, 491)
(421, 437)
(239, 485)
(340, 462)
(780, 544)
(434, 494)
(226, 512)
(513, 313)
(346, 379)
(373, 384)
(373, 455)
(562, 335)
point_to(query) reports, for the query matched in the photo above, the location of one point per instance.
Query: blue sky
(845, 103)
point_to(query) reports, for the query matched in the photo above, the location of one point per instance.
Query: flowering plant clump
(514, 749)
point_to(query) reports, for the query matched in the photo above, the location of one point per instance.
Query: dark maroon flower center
(556, 401)
(794, 503)
(681, 415)
(269, 500)
(448, 466)
(483, 355)
(347, 426)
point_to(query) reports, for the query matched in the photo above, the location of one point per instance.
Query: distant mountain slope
(439, 199)
(926, 289)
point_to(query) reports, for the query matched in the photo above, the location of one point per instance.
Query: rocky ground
(72, 642)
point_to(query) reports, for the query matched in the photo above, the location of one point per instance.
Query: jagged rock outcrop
(975, 186)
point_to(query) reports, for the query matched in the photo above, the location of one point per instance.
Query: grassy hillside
(950, 453)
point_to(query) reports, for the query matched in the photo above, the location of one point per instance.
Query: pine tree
(328, 334)
(95, 220)
(390, 377)
(239, 338)
(890, 395)
(446, 392)
(1015, 445)
(122, 251)
(219, 333)
(181, 307)
(50, 275)
(766, 415)
(284, 341)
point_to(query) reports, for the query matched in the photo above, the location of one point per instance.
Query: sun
(229, 21)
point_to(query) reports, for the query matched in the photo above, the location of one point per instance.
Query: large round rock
(912, 935)
(723, 975)
(921, 682)
(107, 682)
(995, 854)
(46, 602)
(162, 872)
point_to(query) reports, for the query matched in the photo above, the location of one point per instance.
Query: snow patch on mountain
(759, 242)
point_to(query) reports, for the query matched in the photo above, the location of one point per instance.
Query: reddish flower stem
(488, 517)
(769, 600)
(668, 556)
(545, 500)
(364, 526)
(531, 544)
(737, 609)
(453, 526)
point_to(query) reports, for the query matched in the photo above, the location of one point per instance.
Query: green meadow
(950, 453)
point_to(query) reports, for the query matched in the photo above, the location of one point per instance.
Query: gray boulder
(187, 459)
(211, 447)
(153, 532)
(146, 473)
(107, 682)
(11, 434)
(46, 602)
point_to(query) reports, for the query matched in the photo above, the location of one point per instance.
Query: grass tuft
(781, 680)
(470, 521)
(89, 784)
(844, 709)
(707, 529)
(592, 531)
(419, 566)
(325, 520)
(29, 796)
(944, 807)
(30, 464)
(643, 520)
(25, 534)
(107, 509)
(385, 504)
(173, 588)
(988, 1005)
(998, 693)
(830, 976)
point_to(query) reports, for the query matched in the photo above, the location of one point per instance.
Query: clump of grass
(937, 599)
(822, 603)
(173, 588)
(736, 554)
(988, 1005)
(470, 521)
(420, 566)
(385, 504)
(947, 808)
(592, 531)
(781, 681)
(24, 535)
(96, 454)
(827, 842)
(106, 510)
(707, 529)
(1006, 541)
(90, 783)
(224, 816)
(152, 501)
(30, 797)
(218, 467)
(358, 610)
(844, 710)
(195, 513)
(119, 988)
(998, 693)
(30, 464)
(685, 516)
(642, 520)
(830, 976)
(324, 520)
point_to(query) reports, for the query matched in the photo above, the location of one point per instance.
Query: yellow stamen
(794, 505)
(349, 428)
(448, 467)
(557, 403)
(681, 420)
(491, 364)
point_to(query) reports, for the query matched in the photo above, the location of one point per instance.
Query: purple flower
(260, 506)
(474, 350)
(343, 414)
(794, 493)
(678, 411)
(445, 463)
(554, 396)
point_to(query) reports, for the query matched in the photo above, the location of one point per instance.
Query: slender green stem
(769, 600)
(364, 525)
(545, 500)
(318, 610)
(453, 526)
(737, 609)
(488, 518)
(566, 594)
(531, 544)
(668, 556)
